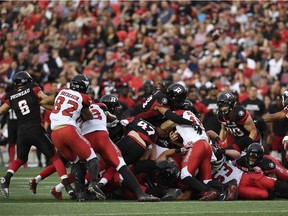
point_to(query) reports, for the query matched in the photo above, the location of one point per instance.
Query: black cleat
(72, 194)
(81, 196)
(4, 188)
(70, 191)
(148, 198)
(93, 188)
(171, 194)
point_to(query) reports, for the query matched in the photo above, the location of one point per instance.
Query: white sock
(59, 187)
(38, 178)
(104, 181)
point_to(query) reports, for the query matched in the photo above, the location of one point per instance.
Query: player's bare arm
(162, 110)
(223, 132)
(4, 108)
(272, 117)
(165, 155)
(232, 153)
(46, 101)
(250, 126)
(86, 114)
(110, 117)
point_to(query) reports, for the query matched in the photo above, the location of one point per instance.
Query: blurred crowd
(208, 46)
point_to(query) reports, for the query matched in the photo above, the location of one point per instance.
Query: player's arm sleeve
(177, 119)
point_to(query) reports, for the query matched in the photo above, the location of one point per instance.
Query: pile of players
(158, 150)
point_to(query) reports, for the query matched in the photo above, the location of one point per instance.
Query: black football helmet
(284, 97)
(254, 154)
(148, 88)
(80, 83)
(112, 103)
(22, 78)
(176, 94)
(167, 176)
(188, 105)
(225, 98)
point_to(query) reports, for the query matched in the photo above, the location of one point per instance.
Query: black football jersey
(145, 130)
(25, 103)
(234, 124)
(266, 165)
(146, 110)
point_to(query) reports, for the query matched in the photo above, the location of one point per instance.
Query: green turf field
(23, 202)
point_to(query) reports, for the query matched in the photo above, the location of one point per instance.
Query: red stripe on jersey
(180, 112)
(147, 139)
(242, 121)
(285, 111)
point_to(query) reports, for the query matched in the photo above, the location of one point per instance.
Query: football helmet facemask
(80, 83)
(22, 78)
(254, 154)
(225, 103)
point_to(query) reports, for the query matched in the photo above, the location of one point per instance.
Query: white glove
(285, 142)
(124, 122)
(112, 124)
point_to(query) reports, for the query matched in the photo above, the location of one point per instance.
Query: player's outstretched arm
(272, 117)
(46, 101)
(4, 108)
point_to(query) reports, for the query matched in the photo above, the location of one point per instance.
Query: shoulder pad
(239, 112)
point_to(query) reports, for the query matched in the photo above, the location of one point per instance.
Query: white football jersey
(67, 107)
(187, 132)
(98, 123)
(227, 172)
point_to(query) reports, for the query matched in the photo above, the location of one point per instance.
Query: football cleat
(33, 185)
(81, 197)
(232, 193)
(148, 198)
(93, 188)
(208, 195)
(71, 192)
(4, 188)
(171, 194)
(56, 194)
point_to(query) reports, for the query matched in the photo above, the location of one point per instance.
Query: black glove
(258, 122)
(217, 151)
(197, 128)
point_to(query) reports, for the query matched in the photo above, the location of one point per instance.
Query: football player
(69, 106)
(24, 100)
(235, 120)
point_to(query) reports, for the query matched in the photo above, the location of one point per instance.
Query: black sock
(66, 183)
(78, 172)
(281, 187)
(8, 176)
(194, 184)
(93, 169)
(130, 180)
